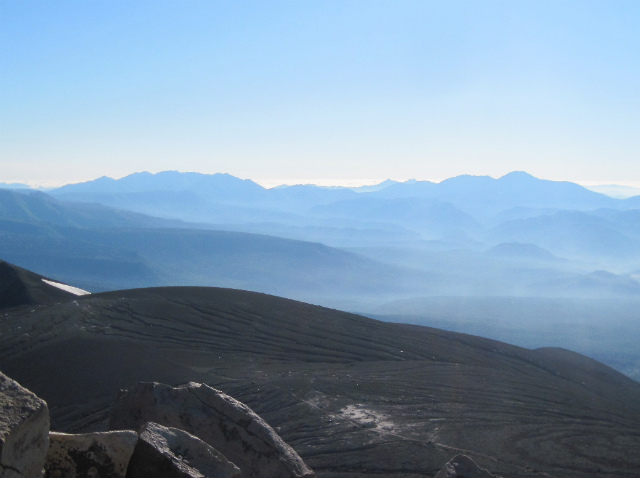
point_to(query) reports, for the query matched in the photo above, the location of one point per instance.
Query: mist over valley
(528, 261)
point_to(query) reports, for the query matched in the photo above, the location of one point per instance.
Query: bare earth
(354, 397)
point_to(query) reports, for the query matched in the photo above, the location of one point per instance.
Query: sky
(320, 91)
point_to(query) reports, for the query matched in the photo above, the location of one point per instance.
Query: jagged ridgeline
(351, 395)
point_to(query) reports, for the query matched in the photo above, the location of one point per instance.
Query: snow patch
(67, 288)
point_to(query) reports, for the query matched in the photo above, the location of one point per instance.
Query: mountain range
(366, 249)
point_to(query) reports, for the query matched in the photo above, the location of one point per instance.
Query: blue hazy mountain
(201, 197)
(13, 186)
(208, 198)
(98, 248)
(596, 283)
(517, 189)
(433, 218)
(529, 252)
(615, 190)
(433, 228)
(220, 185)
(575, 234)
(375, 187)
(40, 208)
(627, 221)
(124, 258)
(632, 202)
(515, 237)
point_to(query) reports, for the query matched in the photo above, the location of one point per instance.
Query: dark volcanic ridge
(19, 286)
(354, 396)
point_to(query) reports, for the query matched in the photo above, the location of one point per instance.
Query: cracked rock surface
(223, 422)
(24, 431)
(166, 452)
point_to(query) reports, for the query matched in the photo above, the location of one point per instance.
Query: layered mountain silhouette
(517, 189)
(473, 213)
(39, 208)
(352, 395)
(98, 248)
(361, 249)
(482, 210)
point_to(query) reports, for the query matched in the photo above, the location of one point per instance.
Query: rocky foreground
(354, 397)
(211, 428)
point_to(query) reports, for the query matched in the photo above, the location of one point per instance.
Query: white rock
(24, 431)
(166, 452)
(216, 418)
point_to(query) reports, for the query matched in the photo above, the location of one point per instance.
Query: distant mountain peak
(145, 181)
(519, 175)
(468, 179)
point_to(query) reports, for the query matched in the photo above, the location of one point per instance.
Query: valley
(559, 263)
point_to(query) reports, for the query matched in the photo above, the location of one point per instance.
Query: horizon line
(321, 182)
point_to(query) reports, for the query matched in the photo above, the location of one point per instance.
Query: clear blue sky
(349, 90)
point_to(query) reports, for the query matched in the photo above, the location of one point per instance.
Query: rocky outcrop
(24, 431)
(103, 455)
(461, 466)
(218, 419)
(29, 450)
(165, 452)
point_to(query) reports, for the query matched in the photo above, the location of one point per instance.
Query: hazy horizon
(504, 282)
(290, 92)
(619, 189)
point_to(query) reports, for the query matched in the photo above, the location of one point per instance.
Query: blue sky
(320, 91)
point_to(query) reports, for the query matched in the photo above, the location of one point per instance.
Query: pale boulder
(24, 431)
(166, 452)
(226, 424)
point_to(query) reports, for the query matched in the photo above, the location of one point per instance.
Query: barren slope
(19, 286)
(354, 396)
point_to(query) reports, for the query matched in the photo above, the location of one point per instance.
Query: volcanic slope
(19, 286)
(354, 396)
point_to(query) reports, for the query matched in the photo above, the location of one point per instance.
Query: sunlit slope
(352, 395)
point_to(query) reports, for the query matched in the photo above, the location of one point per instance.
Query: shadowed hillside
(19, 286)
(34, 207)
(417, 239)
(352, 395)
